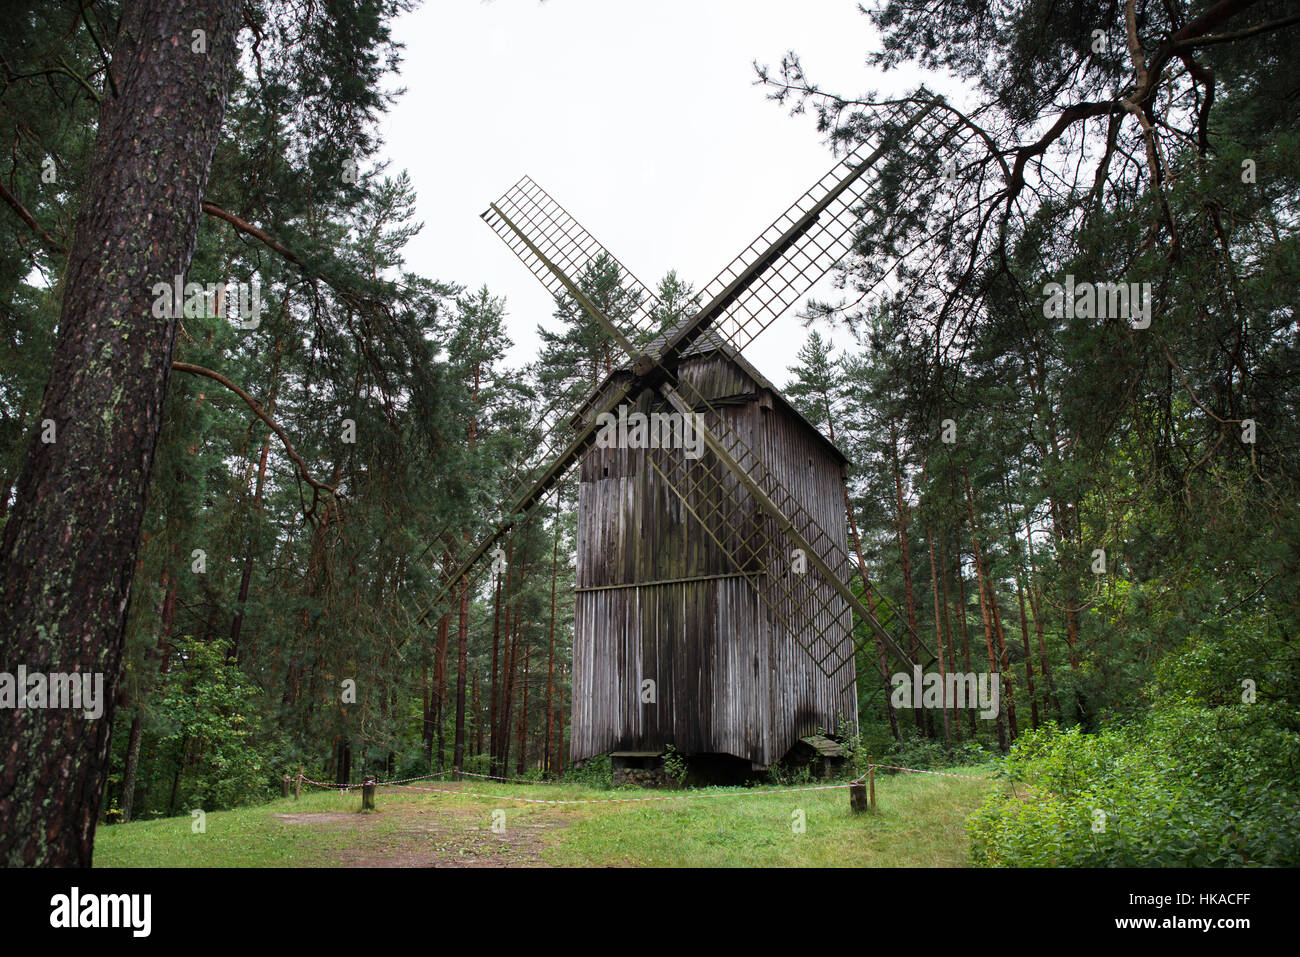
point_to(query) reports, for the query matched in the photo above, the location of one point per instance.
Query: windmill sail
(805, 242)
(810, 600)
(554, 245)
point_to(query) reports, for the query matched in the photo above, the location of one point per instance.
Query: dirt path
(412, 836)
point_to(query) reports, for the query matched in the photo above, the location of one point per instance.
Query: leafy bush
(1187, 786)
(675, 766)
(211, 722)
(596, 772)
(786, 775)
(1208, 776)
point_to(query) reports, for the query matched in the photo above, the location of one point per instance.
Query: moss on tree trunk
(69, 548)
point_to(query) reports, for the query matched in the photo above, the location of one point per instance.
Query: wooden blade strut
(579, 296)
(784, 524)
(554, 472)
(691, 331)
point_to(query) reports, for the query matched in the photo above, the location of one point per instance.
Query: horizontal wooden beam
(672, 581)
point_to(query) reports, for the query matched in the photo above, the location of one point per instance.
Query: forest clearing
(919, 822)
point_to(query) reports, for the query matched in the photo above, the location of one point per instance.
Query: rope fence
(856, 785)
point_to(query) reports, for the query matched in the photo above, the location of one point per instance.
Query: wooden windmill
(721, 578)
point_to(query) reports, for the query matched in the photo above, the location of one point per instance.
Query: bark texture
(69, 548)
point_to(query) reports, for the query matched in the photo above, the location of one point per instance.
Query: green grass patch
(920, 822)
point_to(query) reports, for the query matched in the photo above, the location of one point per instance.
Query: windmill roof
(705, 344)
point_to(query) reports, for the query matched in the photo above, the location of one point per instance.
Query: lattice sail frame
(551, 235)
(769, 276)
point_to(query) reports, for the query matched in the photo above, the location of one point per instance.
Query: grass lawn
(919, 823)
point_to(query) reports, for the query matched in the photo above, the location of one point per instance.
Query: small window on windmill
(604, 472)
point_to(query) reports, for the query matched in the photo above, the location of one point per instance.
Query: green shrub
(675, 766)
(211, 724)
(596, 772)
(1187, 786)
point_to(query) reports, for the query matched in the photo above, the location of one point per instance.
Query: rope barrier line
(405, 783)
(353, 787)
(664, 797)
(494, 777)
(942, 774)
(423, 777)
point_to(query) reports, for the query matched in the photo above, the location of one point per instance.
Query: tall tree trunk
(176, 778)
(313, 583)
(440, 688)
(1020, 597)
(547, 767)
(1004, 668)
(246, 578)
(1051, 452)
(462, 665)
(440, 678)
(343, 769)
(1072, 627)
(965, 636)
(462, 633)
(510, 666)
(559, 735)
(947, 627)
(426, 716)
(522, 763)
(1042, 658)
(476, 705)
(871, 607)
(1029, 658)
(508, 694)
(903, 514)
(938, 637)
(986, 606)
(1035, 608)
(132, 765)
(73, 533)
(495, 691)
(164, 647)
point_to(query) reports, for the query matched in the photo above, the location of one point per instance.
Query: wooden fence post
(284, 786)
(859, 800)
(368, 793)
(297, 784)
(857, 796)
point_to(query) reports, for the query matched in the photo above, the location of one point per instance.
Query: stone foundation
(641, 777)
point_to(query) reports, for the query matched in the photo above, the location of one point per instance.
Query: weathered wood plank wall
(729, 675)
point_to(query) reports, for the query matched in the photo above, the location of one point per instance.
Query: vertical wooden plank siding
(730, 677)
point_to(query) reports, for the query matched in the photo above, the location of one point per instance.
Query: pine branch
(258, 411)
(27, 218)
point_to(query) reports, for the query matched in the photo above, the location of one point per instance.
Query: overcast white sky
(642, 119)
